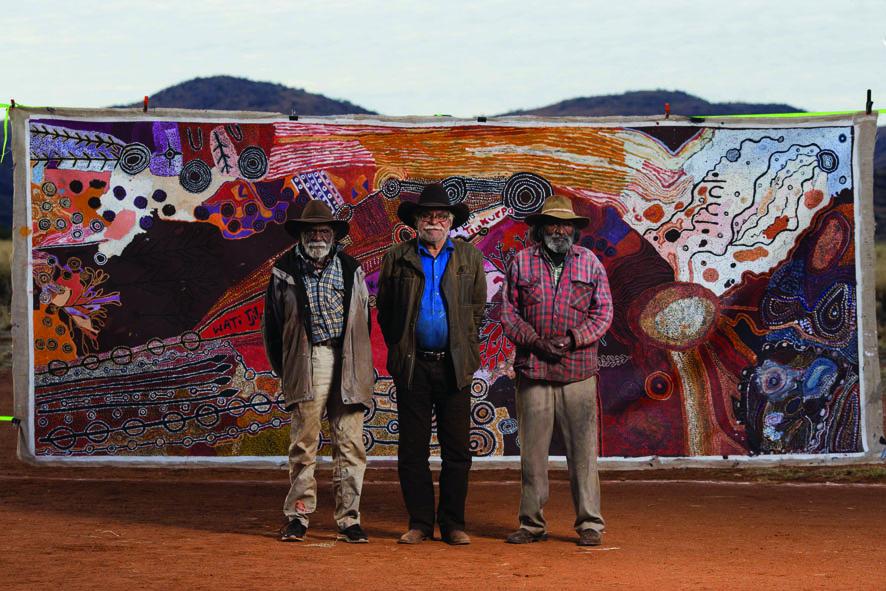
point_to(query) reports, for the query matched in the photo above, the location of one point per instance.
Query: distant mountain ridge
(650, 102)
(229, 93)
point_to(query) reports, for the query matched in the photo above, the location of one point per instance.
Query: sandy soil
(82, 528)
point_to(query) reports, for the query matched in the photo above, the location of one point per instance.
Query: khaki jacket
(400, 286)
(286, 334)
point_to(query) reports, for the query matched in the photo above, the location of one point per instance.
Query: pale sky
(460, 57)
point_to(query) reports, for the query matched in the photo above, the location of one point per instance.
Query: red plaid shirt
(532, 306)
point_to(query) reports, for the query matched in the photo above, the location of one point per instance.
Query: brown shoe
(589, 537)
(524, 536)
(456, 538)
(413, 536)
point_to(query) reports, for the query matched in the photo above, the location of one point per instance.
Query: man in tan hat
(316, 333)
(556, 305)
(431, 297)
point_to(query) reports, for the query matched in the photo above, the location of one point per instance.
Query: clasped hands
(552, 349)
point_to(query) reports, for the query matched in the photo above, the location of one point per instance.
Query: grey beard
(559, 245)
(317, 251)
(424, 235)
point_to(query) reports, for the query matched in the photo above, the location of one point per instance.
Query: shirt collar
(448, 246)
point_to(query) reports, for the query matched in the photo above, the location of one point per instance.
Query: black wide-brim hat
(433, 197)
(317, 212)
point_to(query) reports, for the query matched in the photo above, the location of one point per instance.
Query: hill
(229, 93)
(650, 102)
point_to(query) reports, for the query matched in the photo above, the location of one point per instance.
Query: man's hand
(546, 350)
(563, 344)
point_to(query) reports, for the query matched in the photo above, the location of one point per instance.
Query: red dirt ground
(85, 528)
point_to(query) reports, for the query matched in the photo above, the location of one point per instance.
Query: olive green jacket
(400, 286)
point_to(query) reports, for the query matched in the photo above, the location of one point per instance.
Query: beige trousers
(346, 433)
(574, 406)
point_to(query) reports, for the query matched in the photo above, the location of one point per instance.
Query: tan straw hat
(557, 208)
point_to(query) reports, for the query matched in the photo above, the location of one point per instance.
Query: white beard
(317, 250)
(558, 244)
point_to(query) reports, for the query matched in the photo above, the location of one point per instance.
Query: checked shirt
(535, 305)
(326, 297)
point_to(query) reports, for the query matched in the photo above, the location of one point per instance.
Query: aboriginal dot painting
(730, 251)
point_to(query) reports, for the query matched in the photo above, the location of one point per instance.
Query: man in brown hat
(431, 297)
(556, 305)
(316, 333)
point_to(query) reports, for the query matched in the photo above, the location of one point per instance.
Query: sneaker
(294, 531)
(589, 537)
(524, 536)
(353, 535)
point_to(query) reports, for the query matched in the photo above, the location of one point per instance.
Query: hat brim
(540, 218)
(340, 227)
(408, 209)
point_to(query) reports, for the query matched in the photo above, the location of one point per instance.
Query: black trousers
(434, 389)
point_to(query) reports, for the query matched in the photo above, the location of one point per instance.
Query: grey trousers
(574, 406)
(348, 452)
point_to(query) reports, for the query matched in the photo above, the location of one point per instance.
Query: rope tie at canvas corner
(6, 107)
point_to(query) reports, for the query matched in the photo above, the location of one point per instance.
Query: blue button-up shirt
(432, 329)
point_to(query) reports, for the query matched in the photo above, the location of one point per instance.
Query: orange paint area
(654, 213)
(746, 256)
(812, 198)
(775, 228)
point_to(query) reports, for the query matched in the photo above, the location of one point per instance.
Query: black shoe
(294, 531)
(353, 535)
(524, 536)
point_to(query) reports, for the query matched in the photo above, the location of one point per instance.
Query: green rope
(6, 419)
(5, 129)
(783, 115)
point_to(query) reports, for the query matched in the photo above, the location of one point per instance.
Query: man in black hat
(431, 297)
(316, 333)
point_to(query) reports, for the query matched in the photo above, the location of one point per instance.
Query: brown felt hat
(557, 208)
(433, 197)
(317, 212)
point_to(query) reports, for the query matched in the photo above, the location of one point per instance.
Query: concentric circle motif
(134, 158)
(345, 213)
(524, 194)
(828, 160)
(483, 413)
(195, 176)
(390, 187)
(402, 233)
(479, 388)
(481, 442)
(456, 189)
(253, 163)
(659, 385)
(368, 440)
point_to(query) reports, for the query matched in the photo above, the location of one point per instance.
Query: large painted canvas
(732, 250)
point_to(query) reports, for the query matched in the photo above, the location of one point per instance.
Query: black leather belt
(431, 355)
(334, 343)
